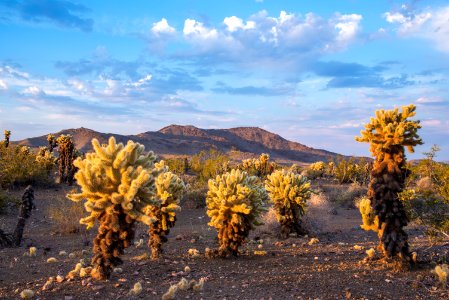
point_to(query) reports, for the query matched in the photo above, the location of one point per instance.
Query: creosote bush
(388, 133)
(21, 166)
(170, 189)
(289, 193)
(234, 203)
(118, 183)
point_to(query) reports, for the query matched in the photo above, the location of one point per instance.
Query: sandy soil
(291, 269)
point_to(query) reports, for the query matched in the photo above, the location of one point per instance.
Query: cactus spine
(170, 189)
(118, 183)
(388, 133)
(289, 193)
(234, 202)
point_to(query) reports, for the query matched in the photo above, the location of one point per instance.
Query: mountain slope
(189, 140)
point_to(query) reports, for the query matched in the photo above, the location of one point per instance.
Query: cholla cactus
(289, 193)
(369, 220)
(46, 159)
(66, 158)
(118, 183)
(51, 142)
(388, 133)
(260, 167)
(170, 189)
(234, 203)
(7, 134)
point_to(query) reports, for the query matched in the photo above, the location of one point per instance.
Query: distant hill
(188, 140)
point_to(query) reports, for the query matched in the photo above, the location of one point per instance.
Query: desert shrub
(118, 183)
(344, 195)
(260, 167)
(194, 198)
(20, 166)
(426, 198)
(65, 215)
(289, 193)
(178, 165)
(234, 203)
(169, 190)
(388, 133)
(208, 164)
(351, 171)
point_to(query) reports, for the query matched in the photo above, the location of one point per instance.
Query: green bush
(426, 198)
(208, 164)
(351, 171)
(19, 165)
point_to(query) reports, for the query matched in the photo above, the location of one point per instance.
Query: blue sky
(311, 71)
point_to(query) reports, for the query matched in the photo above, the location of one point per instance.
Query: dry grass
(344, 195)
(270, 224)
(318, 214)
(65, 215)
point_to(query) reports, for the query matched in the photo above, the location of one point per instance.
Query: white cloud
(3, 85)
(142, 81)
(196, 30)
(233, 24)
(348, 26)
(162, 27)
(33, 91)
(431, 24)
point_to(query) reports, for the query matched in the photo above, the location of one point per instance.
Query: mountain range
(177, 140)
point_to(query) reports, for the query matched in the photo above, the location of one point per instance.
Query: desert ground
(293, 268)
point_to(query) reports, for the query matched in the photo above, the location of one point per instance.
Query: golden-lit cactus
(7, 134)
(234, 203)
(388, 133)
(170, 189)
(289, 193)
(66, 158)
(51, 142)
(260, 167)
(369, 220)
(46, 159)
(118, 183)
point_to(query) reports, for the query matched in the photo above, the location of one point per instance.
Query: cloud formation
(61, 12)
(430, 24)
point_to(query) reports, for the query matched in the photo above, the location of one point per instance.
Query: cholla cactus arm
(118, 185)
(289, 193)
(388, 133)
(170, 189)
(369, 220)
(234, 203)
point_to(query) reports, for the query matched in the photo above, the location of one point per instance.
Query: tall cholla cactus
(388, 133)
(289, 193)
(234, 203)
(118, 183)
(7, 134)
(66, 158)
(170, 189)
(51, 142)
